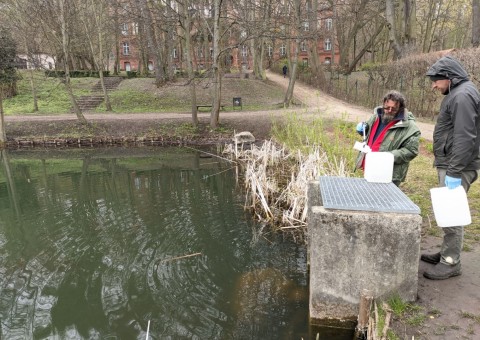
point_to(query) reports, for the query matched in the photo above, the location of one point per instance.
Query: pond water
(114, 243)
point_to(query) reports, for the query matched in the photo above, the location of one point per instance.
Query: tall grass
(334, 137)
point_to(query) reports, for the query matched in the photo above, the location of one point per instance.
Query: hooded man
(456, 144)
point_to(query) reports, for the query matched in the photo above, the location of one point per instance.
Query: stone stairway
(90, 102)
(111, 83)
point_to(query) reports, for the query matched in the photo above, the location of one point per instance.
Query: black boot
(443, 271)
(431, 258)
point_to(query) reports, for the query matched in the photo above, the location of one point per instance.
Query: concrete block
(355, 250)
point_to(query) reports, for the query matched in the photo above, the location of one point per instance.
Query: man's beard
(387, 117)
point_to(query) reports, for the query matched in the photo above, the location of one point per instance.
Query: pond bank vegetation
(276, 173)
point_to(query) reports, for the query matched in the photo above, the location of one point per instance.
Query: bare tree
(216, 70)
(187, 25)
(476, 23)
(314, 61)
(63, 14)
(392, 29)
(94, 20)
(295, 29)
(409, 27)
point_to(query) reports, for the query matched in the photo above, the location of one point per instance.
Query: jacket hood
(450, 68)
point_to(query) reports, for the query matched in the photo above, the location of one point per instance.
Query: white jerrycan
(450, 207)
(378, 167)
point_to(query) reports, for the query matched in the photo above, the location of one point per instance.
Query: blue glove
(360, 127)
(452, 182)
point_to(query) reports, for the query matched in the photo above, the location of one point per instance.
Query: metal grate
(357, 194)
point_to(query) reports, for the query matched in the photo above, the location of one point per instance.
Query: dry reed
(276, 180)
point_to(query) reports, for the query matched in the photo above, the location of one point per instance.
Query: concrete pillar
(355, 250)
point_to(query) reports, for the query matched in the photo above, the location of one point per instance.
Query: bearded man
(392, 128)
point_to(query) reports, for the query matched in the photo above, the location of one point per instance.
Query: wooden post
(366, 299)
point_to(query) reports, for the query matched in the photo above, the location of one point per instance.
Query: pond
(116, 243)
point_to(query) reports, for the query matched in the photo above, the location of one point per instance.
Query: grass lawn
(141, 95)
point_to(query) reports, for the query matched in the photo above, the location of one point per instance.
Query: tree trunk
(476, 23)
(68, 86)
(116, 64)
(217, 78)
(169, 45)
(32, 79)
(188, 55)
(410, 22)
(156, 42)
(96, 16)
(293, 63)
(317, 71)
(3, 137)
(392, 30)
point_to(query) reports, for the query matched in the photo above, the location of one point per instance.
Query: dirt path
(453, 305)
(329, 106)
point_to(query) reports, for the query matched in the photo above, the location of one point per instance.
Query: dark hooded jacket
(456, 137)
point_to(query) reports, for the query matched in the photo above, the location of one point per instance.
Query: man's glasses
(390, 109)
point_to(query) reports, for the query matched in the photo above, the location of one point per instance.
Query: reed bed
(276, 181)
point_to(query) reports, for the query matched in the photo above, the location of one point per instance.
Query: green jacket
(402, 140)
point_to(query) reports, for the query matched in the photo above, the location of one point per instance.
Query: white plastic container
(450, 207)
(378, 167)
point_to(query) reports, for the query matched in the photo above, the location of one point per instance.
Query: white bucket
(378, 167)
(450, 207)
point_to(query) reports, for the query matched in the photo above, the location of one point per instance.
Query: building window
(305, 62)
(211, 53)
(306, 26)
(124, 28)
(328, 61)
(208, 12)
(243, 34)
(303, 46)
(174, 53)
(126, 48)
(150, 66)
(329, 24)
(127, 67)
(327, 45)
(270, 50)
(135, 28)
(244, 51)
(283, 50)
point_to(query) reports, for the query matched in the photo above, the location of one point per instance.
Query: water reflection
(95, 243)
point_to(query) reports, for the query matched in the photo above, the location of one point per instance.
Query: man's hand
(452, 182)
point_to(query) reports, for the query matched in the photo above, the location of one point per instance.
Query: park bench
(209, 106)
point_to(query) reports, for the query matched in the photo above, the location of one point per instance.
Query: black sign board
(237, 102)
